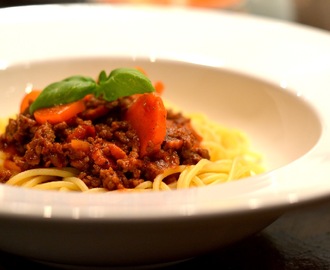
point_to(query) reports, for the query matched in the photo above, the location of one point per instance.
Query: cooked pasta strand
(231, 159)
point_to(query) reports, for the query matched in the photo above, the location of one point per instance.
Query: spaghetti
(231, 159)
(135, 142)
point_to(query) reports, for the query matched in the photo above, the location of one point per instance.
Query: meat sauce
(102, 146)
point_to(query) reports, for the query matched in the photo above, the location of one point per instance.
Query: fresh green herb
(123, 82)
(120, 82)
(66, 91)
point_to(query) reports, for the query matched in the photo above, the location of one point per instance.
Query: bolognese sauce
(101, 144)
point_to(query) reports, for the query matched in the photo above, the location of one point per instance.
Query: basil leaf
(66, 91)
(123, 82)
(120, 82)
(102, 77)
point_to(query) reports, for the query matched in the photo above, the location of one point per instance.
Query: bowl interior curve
(274, 118)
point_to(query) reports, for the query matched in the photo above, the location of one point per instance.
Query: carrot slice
(28, 99)
(59, 113)
(141, 70)
(80, 145)
(11, 166)
(159, 87)
(147, 115)
(116, 151)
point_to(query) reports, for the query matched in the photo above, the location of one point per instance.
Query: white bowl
(264, 77)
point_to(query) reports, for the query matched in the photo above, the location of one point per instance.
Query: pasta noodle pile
(231, 159)
(51, 179)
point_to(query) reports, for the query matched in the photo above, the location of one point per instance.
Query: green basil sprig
(119, 83)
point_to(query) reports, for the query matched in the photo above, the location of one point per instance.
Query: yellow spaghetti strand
(230, 159)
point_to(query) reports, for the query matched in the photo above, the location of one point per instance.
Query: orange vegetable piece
(147, 115)
(80, 145)
(159, 87)
(28, 99)
(116, 151)
(141, 70)
(10, 165)
(60, 113)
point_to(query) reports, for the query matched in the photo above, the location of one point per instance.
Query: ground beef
(100, 144)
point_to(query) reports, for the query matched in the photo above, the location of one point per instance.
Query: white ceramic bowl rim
(301, 60)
